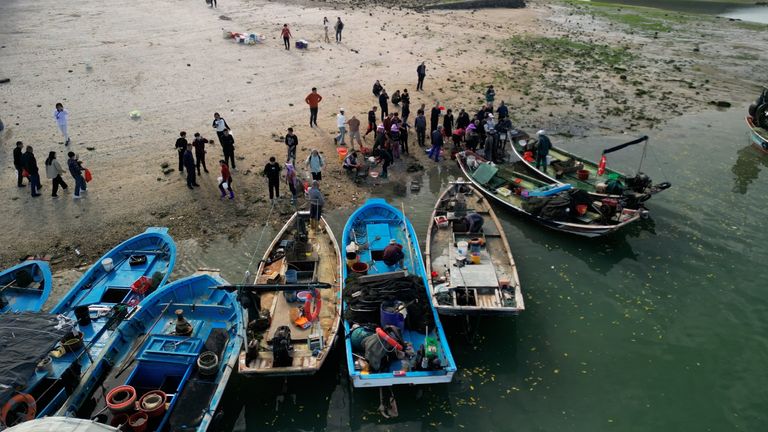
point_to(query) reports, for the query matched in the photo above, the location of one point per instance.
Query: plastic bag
(88, 176)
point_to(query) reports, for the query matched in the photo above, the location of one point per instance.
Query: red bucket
(582, 174)
(360, 268)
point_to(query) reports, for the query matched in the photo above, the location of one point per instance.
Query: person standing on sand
(199, 144)
(434, 117)
(383, 103)
(189, 164)
(62, 121)
(220, 125)
(437, 144)
(341, 123)
(228, 148)
(226, 177)
(405, 101)
(76, 170)
(181, 147)
(377, 88)
(286, 34)
(371, 122)
(313, 100)
(420, 123)
(272, 172)
(53, 171)
(291, 141)
(490, 96)
(404, 137)
(291, 179)
(30, 164)
(18, 163)
(338, 27)
(448, 121)
(354, 132)
(462, 121)
(316, 203)
(421, 72)
(214, 4)
(316, 163)
(326, 24)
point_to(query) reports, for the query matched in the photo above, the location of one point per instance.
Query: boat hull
(327, 268)
(583, 230)
(479, 291)
(25, 299)
(757, 136)
(382, 222)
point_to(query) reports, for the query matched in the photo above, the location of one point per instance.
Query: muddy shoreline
(573, 69)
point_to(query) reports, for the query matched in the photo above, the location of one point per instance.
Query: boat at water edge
(108, 292)
(586, 175)
(293, 308)
(557, 207)
(393, 334)
(471, 273)
(166, 367)
(25, 286)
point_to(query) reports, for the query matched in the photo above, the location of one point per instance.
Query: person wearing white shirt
(220, 125)
(62, 120)
(341, 123)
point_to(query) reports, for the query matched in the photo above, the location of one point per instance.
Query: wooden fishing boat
(393, 333)
(576, 212)
(25, 286)
(105, 295)
(460, 286)
(567, 168)
(757, 135)
(167, 365)
(293, 308)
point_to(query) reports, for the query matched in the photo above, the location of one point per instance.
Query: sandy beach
(570, 69)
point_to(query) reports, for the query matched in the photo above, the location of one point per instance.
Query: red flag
(601, 166)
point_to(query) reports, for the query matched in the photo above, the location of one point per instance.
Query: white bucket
(107, 265)
(462, 248)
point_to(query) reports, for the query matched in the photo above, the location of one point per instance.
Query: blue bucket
(291, 277)
(391, 316)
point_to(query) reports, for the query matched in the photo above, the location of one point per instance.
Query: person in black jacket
(405, 101)
(181, 147)
(377, 88)
(448, 121)
(199, 144)
(421, 72)
(18, 157)
(371, 122)
(462, 121)
(189, 164)
(291, 141)
(228, 147)
(272, 172)
(434, 117)
(420, 123)
(30, 164)
(383, 102)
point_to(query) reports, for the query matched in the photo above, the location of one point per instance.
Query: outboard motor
(639, 183)
(282, 349)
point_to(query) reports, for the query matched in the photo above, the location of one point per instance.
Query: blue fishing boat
(25, 287)
(106, 294)
(393, 333)
(167, 365)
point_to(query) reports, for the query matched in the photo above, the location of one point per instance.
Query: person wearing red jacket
(286, 34)
(313, 100)
(226, 178)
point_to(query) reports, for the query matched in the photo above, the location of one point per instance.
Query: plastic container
(291, 276)
(359, 268)
(107, 264)
(72, 343)
(475, 245)
(342, 152)
(83, 315)
(121, 398)
(392, 315)
(153, 403)
(474, 258)
(441, 221)
(138, 422)
(582, 174)
(46, 365)
(461, 248)
(208, 363)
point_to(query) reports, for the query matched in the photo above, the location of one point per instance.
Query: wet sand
(169, 60)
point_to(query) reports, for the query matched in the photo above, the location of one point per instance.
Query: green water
(659, 328)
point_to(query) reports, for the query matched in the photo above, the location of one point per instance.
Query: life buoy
(310, 314)
(388, 339)
(21, 398)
